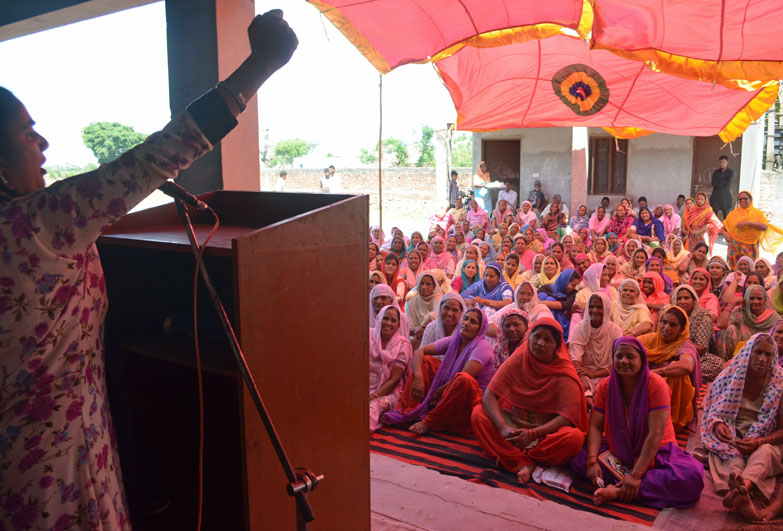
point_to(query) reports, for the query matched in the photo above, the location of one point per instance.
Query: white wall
(545, 151)
(659, 165)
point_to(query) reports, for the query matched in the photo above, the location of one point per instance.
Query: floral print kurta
(59, 466)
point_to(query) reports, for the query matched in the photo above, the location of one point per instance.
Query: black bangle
(212, 116)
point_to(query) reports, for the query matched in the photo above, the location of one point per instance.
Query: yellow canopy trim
(751, 112)
(744, 75)
(353, 35)
(627, 133)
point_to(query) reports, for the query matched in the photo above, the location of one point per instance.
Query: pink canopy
(559, 81)
(398, 32)
(698, 39)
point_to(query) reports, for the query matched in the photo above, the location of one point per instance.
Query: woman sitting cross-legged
(492, 293)
(390, 354)
(590, 344)
(673, 356)
(631, 410)
(445, 402)
(742, 428)
(450, 311)
(534, 410)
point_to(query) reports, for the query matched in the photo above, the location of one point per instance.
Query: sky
(114, 68)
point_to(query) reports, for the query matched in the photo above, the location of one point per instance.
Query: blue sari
(557, 292)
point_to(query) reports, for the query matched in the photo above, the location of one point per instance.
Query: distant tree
(462, 151)
(109, 140)
(368, 157)
(288, 150)
(427, 150)
(62, 171)
(392, 147)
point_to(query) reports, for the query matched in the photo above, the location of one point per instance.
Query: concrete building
(585, 164)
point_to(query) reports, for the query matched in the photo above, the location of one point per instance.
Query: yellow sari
(684, 388)
(769, 239)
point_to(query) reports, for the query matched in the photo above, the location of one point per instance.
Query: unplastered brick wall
(398, 183)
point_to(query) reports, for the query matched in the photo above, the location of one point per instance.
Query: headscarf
(592, 277)
(776, 296)
(668, 285)
(594, 256)
(599, 225)
(659, 351)
(624, 315)
(440, 330)
(453, 362)
(620, 226)
(419, 308)
(534, 309)
(558, 291)
(466, 281)
(547, 243)
(768, 316)
(697, 216)
(541, 279)
(378, 274)
(501, 349)
(381, 290)
(442, 280)
(550, 388)
(671, 224)
(397, 344)
(612, 248)
(498, 216)
(377, 241)
(658, 296)
(577, 222)
(526, 219)
(721, 262)
(412, 245)
(706, 295)
(769, 239)
(478, 217)
(771, 279)
(723, 400)
(629, 428)
(629, 268)
(676, 259)
(730, 277)
(495, 294)
(596, 341)
(480, 261)
(442, 261)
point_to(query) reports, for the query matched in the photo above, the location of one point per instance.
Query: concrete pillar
(442, 166)
(207, 40)
(752, 159)
(579, 159)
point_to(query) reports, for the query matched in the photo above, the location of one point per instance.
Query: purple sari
(453, 362)
(677, 478)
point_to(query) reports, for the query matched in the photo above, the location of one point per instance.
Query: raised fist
(272, 41)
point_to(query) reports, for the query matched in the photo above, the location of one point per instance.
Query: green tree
(427, 156)
(288, 150)
(392, 147)
(62, 171)
(109, 140)
(462, 151)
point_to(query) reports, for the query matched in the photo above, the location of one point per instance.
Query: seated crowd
(584, 342)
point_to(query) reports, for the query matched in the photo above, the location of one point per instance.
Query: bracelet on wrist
(592, 460)
(238, 97)
(636, 474)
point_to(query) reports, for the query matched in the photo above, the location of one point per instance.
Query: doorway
(706, 151)
(502, 158)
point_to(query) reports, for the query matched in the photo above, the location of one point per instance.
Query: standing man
(335, 184)
(510, 195)
(280, 184)
(720, 200)
(326, 182)
(453, 189)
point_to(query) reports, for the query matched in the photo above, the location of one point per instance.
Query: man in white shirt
(335, 184)
(563, 207)
(510, 195)
(280, 184)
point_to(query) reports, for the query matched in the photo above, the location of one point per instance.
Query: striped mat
(461, 456)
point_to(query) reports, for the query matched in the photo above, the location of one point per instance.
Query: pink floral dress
(59, 466)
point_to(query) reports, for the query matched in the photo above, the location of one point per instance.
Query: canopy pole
(380, 150)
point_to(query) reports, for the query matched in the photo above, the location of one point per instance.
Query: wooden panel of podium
(291, 271)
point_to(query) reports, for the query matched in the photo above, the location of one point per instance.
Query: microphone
(172, 189)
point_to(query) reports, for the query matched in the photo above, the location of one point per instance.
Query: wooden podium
(291, 271)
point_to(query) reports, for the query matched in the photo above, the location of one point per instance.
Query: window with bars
(608, 166)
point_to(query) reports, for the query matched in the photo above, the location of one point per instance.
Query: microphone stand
(300, 480)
